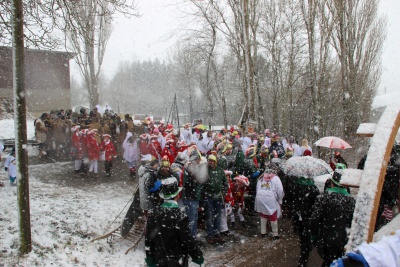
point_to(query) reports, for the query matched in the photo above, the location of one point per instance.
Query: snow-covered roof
(385, 100)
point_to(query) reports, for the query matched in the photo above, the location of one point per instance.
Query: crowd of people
(191, 175)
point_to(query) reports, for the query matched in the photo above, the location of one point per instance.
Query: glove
(150, 262)
(157, 185)
(254, 175)
(199, 260)
(5, 168)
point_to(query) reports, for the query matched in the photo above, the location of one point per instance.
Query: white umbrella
(306, 166)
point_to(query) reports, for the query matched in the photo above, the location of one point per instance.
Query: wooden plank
(106, 235)
(366, 129)
(365, 213)
(351, 177)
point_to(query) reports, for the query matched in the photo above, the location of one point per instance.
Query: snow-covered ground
(63, 221)
(7, 129)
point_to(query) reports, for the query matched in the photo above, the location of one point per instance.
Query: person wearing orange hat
(214, 189)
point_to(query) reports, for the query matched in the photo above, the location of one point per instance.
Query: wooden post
(20, 127)
(373, 177)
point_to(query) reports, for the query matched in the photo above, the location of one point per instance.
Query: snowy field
(63, 221)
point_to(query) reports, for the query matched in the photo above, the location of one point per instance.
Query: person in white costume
(206, 143)
(268, 201)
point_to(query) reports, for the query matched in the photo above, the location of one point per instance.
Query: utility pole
(20, 127)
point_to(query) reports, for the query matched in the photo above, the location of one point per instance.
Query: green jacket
(239, 166)
(222, 162)
(217, 184)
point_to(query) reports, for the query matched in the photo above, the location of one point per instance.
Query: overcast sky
(146, 38)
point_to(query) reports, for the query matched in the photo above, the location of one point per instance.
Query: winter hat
(194, 155)
(289, 152)
(106, 135)
(228, 173)
(181, 158)
(165, 162)
(170, 188)
(221, 148)
(153, 161)
(250, 152)
(144, 136)
(175, 167)
(237, 142)
(91, 132)
(242, 179)
(75, 128)
(235, 133)
(307, 152)
(264, 149)
(186, 126)
(156, 131)
(169, 141)
(340, 166)
(146, 121)
(275, 164)
(275, 138)
(336, 177)
(213, 158)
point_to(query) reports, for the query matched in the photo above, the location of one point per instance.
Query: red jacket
(170, 152)
(109, 148)
(229, 197)
(93, 148)
(154, 148)
(143, 146)
(76, 146)
(238, 193)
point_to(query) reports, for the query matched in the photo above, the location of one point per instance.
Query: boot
(132, 172)
(274, 227)
(263, 226)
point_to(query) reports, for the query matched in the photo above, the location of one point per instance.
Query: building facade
(47, 78)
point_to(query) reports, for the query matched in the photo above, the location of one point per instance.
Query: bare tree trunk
(21, 129)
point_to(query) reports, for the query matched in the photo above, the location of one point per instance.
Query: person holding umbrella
(301, 197)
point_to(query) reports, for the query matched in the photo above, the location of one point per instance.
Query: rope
(131, 199)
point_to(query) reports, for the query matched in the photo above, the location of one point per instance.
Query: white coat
(131, 150)
(269, 196)
(206, 144)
